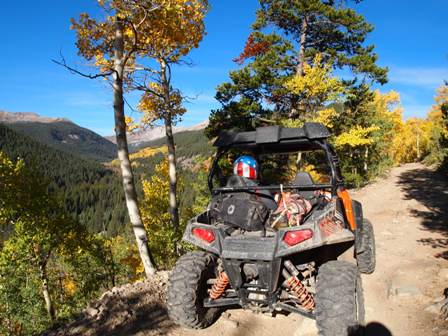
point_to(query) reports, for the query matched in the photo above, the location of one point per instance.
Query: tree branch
(63, 63)
(144, 88)
(168, 66)
(134, 45)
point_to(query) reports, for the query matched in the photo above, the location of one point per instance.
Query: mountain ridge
(135, 139)
(61, 134)
(14, 117)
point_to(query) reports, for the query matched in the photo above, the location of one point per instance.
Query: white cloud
(423, 77)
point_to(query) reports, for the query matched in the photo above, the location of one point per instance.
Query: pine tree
(305, 28)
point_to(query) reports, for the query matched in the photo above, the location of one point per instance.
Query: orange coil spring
(219, 286)
(305, 298)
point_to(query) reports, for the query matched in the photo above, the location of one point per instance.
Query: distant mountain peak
(18, 117)
(61, 134)
(157, 132)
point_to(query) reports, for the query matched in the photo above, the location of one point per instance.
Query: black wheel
(366, 259)
(339, 301)
(187, 289)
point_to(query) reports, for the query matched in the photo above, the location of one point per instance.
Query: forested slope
(188, 143)
(69, 137)
(89, 191)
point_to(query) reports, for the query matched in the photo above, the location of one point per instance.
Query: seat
(304, 179)
(265, 196)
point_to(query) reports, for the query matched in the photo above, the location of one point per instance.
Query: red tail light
(294, 237)
(204, 234)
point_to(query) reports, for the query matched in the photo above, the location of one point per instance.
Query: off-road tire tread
(366, 259)
(184, 306)
(339, 301)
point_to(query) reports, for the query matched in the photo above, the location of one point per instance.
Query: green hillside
(91, 193)
(69, 137)
(188, 144)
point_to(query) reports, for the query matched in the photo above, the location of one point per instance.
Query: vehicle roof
(275, 138)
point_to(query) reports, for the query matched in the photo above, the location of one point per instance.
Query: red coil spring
(305, 298)
(219, 286)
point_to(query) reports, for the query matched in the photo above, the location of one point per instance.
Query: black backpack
(244, 210)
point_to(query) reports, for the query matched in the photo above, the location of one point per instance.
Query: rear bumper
(250, 247)
(263, 255)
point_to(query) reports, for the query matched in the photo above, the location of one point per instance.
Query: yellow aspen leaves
(326, 116)
(154, 105)
(148, 152)
(316, 86)
(155, 205)
(435, 116)
(130, 124)
(69, 286)
(157, 28)
(356, 136)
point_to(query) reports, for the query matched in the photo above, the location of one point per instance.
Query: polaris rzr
(304, 255)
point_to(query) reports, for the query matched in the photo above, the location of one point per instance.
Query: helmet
(246, 166)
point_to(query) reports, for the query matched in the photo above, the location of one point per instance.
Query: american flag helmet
(246, 166)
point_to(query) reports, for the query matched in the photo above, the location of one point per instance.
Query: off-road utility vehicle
(259, 259)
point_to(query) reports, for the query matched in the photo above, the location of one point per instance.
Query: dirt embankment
(409, 212)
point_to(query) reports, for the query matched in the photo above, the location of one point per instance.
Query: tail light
(204, 234)
(297, 236)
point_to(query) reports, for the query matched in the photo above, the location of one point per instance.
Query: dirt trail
(409, 212)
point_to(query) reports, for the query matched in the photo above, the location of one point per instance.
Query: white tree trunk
(174, 211)
(366, 159)
(45, 290)
(172, 172)
(123, 153)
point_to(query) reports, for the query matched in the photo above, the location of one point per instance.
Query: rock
(434, 308)
(92, 312)
(80, 329)
(230, 323)
(95, 304)
(407, 291)
(104, 296)
(307, 327)
(402, 289)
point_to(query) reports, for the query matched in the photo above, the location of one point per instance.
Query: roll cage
(277, 139)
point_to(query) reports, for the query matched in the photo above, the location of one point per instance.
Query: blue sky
(410, 38)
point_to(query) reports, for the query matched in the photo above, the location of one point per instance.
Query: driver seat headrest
(304, 179)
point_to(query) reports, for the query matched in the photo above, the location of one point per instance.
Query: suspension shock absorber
(292, 281)
(219, 286)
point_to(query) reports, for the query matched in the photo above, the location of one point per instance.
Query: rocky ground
(409, 212)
